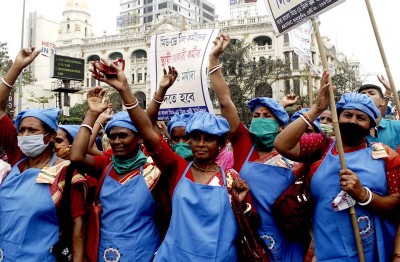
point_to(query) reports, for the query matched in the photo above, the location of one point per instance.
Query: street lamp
(22, 46)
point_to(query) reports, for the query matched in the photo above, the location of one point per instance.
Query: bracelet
(248, 208)
(305, 120)
(98, 122)
(88, 127)
(5, 82)
(306, 116)
(155, 100)
(370, 197)
(214, 69)
(366, 197)
(131, 106)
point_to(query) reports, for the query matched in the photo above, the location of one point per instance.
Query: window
(133, 79)
(286, 38)
(208, 8)
(140, 77)
(148, 19)
(296, 86)
(175, 7)
(162, 5)
(148, 9)
(67, 100)
(295, 59)
(287, 86)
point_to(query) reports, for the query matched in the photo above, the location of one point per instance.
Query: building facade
(74, 38)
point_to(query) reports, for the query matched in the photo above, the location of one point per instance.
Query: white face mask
(33, 145)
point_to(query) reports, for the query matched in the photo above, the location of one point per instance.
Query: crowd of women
(171, 199)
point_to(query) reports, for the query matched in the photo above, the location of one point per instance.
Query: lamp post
(22, 46)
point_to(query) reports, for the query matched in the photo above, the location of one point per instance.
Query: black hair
(371, 86)
(68, 135)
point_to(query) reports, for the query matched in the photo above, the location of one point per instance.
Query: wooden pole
(339, 145)
(383, 55)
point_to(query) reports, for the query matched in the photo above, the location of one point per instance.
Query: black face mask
(352, 134)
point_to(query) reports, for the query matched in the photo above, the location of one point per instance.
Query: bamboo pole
(383, 55)
(338, 138)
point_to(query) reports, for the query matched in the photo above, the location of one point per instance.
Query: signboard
(188, 52)
(65, 67)
(288, 14)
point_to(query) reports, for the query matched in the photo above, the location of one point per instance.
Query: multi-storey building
(74, 38)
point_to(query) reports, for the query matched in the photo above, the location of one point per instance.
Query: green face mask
(264, 132)
(128, 165)
(183, 149)
(327, 129)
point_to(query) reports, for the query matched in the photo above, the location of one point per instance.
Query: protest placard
(287, 14)
(188, 52)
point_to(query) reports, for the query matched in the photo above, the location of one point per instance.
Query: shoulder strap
(101, 181)
(64, 211)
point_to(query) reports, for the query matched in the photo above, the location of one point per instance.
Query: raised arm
(386, 96)
(287, 141)
(23, 59)
(138, 116)
(166, 82)
(96, 106)
(98, 126)
(219, 85)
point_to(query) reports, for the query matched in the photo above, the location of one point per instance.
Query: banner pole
(383, 55)
(339, 145)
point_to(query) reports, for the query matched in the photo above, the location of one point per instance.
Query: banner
(188, 52)
(287, 14)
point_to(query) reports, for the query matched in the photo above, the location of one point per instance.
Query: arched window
(263, 90)
(115, 56)
(141, 97)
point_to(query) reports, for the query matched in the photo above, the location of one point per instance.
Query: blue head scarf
(49, 116)
(120, 119)
(178, 120)
(72, 130)
(207, 123)
(276, 108)
(359, 102)
(305, 110)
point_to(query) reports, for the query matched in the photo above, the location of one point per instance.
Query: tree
(346, 81)
(40, 100)
(79, 110)
(248, 78)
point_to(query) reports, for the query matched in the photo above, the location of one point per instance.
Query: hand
(322, 100)
(119, 83)
(169, 78)
(289, 100)
(242, 188)
(351, 184)
(220, 45)
(95, 100)
(25, 57)
(385, 83)
(106, 115)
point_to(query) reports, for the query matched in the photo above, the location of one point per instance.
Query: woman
(371, 179)
(63, 141)
(128, 194)
(180, 141)
(267, 173)
(30, 195)
(203, 226)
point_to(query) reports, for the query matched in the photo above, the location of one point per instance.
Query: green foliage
(248, 78)
(346, 82)
(40, 100)
(79, 110)
(68, 120)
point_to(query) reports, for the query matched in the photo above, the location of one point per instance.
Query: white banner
(188, 52)
(287, 14)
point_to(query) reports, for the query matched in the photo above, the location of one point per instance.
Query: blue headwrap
(360, 102)
(178, 120)
(49, 116)
(276, 108)
(72, 130)
(120, 119)
(305, 110)
(207, 123)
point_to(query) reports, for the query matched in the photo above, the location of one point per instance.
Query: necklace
(203, 169)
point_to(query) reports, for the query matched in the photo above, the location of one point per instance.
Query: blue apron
(333, 233)
(203, 226)
(267, 183)
(28, 218)
(128, 231)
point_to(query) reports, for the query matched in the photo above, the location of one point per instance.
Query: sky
(348, 26)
